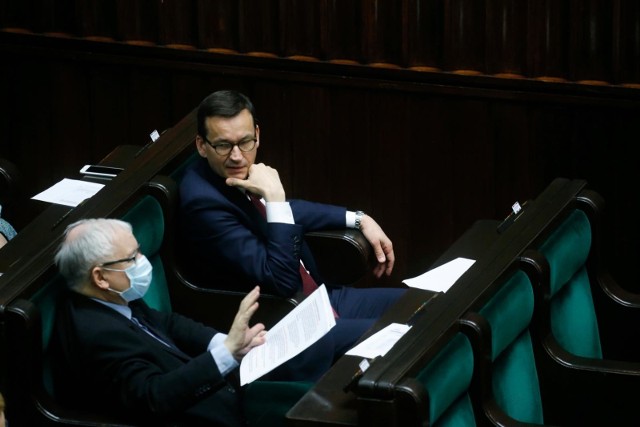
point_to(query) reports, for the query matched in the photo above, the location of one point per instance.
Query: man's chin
(237, 174)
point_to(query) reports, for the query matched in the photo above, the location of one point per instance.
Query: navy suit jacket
(225, 242)
(103, 361)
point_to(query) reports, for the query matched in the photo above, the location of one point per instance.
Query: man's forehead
(242, 122)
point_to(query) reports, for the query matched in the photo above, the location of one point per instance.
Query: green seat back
(147, 220)
(176, 174)
(514, 375)
(573, 318)
(447, 378)
(46, 299)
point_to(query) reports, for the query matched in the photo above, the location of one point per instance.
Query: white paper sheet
(381, 342)
(69, 192)
(304, 325)
(441, 278)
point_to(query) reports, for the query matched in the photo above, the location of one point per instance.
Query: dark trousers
(358, 309)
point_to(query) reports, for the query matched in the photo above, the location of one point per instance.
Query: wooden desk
(29, 255)
(46, 225)
(327, 404)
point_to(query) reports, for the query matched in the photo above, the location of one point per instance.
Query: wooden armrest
(217, 308)
(342, 256)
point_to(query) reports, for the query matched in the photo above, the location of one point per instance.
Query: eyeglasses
(127, 260)
(225, 148)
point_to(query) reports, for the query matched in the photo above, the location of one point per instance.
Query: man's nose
(235, 152)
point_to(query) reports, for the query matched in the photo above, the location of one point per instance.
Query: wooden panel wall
(425, 153)
(588, 41)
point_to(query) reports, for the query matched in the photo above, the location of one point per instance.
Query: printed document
(379, 343)
(441, 278)
(303, 326)
(69, 192)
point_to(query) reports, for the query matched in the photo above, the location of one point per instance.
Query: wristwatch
(359, 215)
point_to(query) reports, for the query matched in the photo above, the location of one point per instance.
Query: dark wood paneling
(55, 17)
(424, 31)
(137, 22)
(464, 36)
(595, 42)
(177, 24)
(548, 43)
(506, 47)
(218, 25)
(341, 31)
(590, 41)
(382, 32)
(259, 27)
(389, 145)
(626, 42)
(96, 20)
(300, 29)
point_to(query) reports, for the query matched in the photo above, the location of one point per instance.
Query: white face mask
(139, 275)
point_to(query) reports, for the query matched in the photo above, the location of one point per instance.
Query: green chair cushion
(147, 221)
(573, 318)
(515, 381)
(509, 311)
(447, 378)
(514, 378)
(459, 414)
(567, 249)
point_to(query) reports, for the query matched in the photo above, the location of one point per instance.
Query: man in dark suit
(238, 229)
(113, 353)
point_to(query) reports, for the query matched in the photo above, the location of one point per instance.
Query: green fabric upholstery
(567, 249)
(267, 402)
(514, 378)
(147, 221)
(447, 378)
(46, 299)
(573, 318)
(177, 173)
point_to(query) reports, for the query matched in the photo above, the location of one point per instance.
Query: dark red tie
(308, 284)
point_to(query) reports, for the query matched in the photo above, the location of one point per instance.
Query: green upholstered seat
(147, 220)
(447, 378)
(514, 375)
(573, 318)
(46, 299)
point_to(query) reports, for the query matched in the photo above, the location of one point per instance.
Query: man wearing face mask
(112, 353)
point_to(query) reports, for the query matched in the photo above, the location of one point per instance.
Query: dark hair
(223, 103)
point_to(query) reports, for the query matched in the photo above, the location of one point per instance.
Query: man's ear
(257, 136)
(98, 279)
(200, 145)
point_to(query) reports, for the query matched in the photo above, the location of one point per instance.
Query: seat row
(536, 332)
(145, 194)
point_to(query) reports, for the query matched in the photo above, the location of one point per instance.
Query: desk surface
(327, 404)
(44, 227)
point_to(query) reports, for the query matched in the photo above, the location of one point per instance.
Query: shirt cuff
(351, 219)
(221, 355)
(279, 212)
